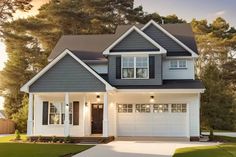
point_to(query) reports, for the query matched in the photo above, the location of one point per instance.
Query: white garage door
(152, 120)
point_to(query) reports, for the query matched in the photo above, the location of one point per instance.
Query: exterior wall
(67, 76)
(114, 81)
(84, 127)
(100, 68)
(134, 42)
(172, 74)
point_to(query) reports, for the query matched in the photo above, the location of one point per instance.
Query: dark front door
(97, 118)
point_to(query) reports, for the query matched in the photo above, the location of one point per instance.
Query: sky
(185, 9)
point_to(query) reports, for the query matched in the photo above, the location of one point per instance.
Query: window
(128, 67)
(177, 108)
(57, 113)
(125, 108)
(63, 113)
(141, 67)
(178, 64)
(54, 113)
(160, 108)
(143, 108)
(135, 67)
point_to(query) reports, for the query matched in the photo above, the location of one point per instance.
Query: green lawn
(11, 149)
(39, 150)
(223, 150)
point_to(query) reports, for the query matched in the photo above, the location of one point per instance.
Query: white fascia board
(163, 90)
(194, 54)
(25, 88)
(134, 28)
(137, 53)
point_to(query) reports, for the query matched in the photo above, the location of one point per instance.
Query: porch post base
(105, 128)
(30, 128)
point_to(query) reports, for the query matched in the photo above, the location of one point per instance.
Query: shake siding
(134, 42)
(67, 76)
(157, 80)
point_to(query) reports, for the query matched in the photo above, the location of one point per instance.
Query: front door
(97, 118)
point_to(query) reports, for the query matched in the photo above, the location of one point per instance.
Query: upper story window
(178, 64)
(135, 67)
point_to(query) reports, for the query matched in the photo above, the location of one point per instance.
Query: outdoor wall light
(98, 97)
(86, 104)
(152, 98)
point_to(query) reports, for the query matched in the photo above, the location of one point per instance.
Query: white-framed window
(178, 108)
(135, 67)
(143, 108)
(159, 108)
(125, 108)
(57, 113)
(178, 64)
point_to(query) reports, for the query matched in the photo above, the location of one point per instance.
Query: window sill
(178, 68)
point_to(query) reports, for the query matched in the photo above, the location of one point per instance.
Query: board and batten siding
(173, 74)
(67, 75)
(134, 42)
(157, 80)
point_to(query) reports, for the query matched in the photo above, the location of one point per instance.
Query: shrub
(54, 139)
(17, 135)
(68, 139)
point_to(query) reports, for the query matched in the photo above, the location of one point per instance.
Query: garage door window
(159, 108)
(178, 108)
(143, 108)
(125, 108)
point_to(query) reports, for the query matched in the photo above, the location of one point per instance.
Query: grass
(40, 150)
(11, 149)
(223, 150)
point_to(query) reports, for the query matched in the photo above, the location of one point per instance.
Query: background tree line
(30, 41)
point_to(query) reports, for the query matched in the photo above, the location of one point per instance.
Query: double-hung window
(178, 64)
(135, 67)
(57, 113)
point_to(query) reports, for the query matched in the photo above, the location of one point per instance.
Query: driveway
(138, 149)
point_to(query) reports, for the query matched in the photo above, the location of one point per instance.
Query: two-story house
(139, 81)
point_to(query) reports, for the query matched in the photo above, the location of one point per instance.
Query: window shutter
(45, 113)
(151, 66)
(118, 67)
(75, 113)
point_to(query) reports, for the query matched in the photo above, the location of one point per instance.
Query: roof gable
(134, 40)
(26, 87)
(167, 40)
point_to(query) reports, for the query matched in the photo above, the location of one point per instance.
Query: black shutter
(45, 113)
(118, 67)
(151, 66)
(75, 113)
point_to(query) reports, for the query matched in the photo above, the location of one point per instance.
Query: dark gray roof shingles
(90, 47)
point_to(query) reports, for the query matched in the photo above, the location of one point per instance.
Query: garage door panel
(152, 124)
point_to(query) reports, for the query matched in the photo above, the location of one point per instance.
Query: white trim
(178, 67)
(25, 88)
(194, 54)
(162, 90)
(134, 28)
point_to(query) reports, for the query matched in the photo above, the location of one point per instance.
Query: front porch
(69, 114)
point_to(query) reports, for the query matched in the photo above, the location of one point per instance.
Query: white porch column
(67, 120)
(105, 116)
(30, 115)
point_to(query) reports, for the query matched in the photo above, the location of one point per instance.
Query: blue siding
(134, 42)
(67, 76)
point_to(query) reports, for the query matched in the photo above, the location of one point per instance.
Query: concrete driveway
(138, 149)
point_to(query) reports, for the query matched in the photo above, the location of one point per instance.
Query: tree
(9, 7)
